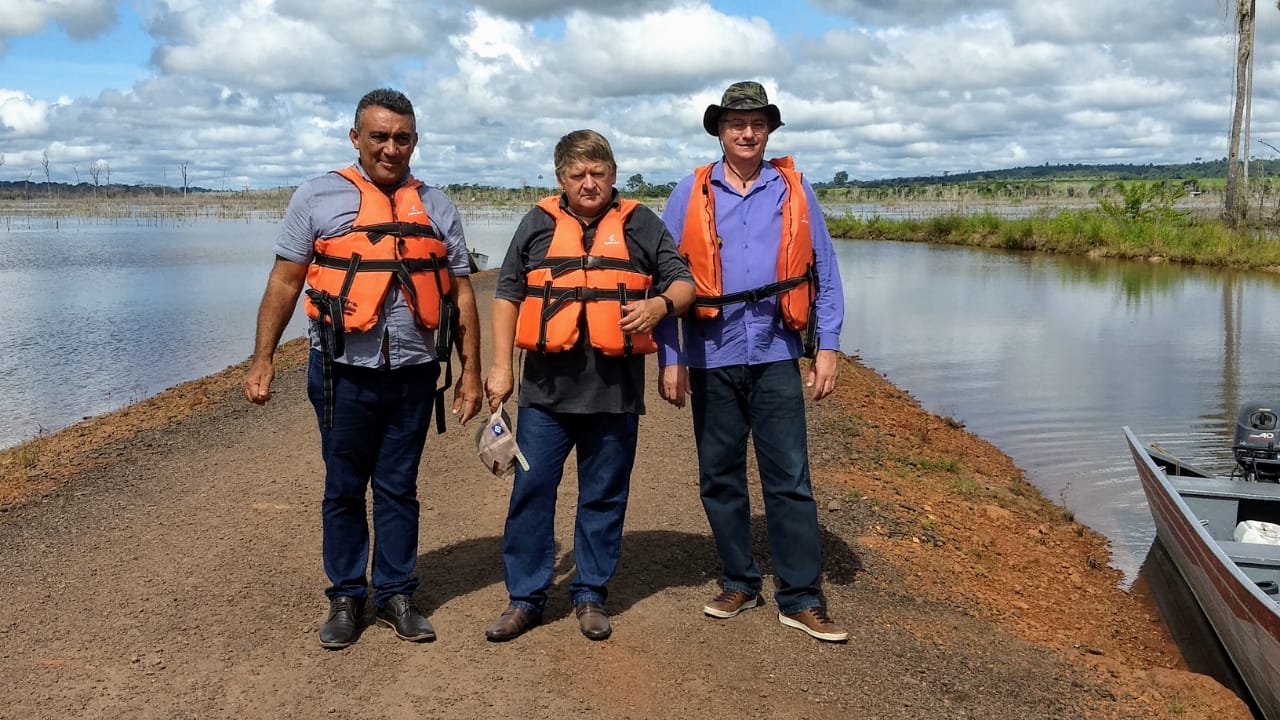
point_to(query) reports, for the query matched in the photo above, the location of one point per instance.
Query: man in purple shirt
(768, 291)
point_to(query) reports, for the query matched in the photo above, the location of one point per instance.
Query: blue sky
(258, 93)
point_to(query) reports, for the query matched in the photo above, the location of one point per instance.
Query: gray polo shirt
(325, 207)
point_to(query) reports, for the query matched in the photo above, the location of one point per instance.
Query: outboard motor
(1255, 444)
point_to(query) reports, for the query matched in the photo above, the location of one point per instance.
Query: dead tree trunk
(1236, 200)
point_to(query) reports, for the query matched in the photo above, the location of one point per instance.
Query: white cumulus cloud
(22, 115)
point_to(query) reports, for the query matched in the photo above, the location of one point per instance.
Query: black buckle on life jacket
(562, 266)
(396, 229)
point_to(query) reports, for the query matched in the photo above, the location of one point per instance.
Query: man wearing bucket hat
(585, 279)
(768, 291)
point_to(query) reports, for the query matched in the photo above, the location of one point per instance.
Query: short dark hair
(582, 146)
(393, 100)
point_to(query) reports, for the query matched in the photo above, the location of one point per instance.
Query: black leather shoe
(343, 625)
(513, 623)
(592, 620)
(400, 615)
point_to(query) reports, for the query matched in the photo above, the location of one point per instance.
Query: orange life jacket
(570, 281)
(392, 238)
(796, 287)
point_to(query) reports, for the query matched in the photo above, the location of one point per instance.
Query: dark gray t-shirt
(583, 380)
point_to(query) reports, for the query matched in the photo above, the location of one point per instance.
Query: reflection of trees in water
(1232, 310)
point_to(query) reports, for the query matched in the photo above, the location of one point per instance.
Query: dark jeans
(380, 423)
(606, 446)
(767, 403)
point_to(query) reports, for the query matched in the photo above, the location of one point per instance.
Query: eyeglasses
(738, 127)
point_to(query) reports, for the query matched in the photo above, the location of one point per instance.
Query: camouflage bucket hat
(742, 96)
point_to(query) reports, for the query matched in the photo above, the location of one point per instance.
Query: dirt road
(171, 569)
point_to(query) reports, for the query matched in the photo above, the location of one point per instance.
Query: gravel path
(175, 573)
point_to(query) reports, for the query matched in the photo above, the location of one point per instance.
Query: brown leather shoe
(592, 620)
(729, 603)
(513, 623)
(816, 623)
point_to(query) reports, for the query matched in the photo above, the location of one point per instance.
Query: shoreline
(917, 513)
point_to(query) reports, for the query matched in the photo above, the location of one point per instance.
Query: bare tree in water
(48, 183)
(183, 169)
(95, 172)
(1238, 169)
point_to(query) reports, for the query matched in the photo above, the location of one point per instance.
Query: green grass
(965, 487)
(1096, 232)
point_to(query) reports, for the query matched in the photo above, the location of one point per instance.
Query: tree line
(1199, 169)
(637, 186)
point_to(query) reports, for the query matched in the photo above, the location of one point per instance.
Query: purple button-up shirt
(750, 228)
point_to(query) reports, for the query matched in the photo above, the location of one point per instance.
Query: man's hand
(467, 395)
(822, 376)
(499, 386)
(640, 316)
(257, 382)
(673, 384)
(281, 297)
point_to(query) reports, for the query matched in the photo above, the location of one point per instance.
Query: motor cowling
(1255, 443)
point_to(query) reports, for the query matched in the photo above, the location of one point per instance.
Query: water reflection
(1046, 357)
(102, 315)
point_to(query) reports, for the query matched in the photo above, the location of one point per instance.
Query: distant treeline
(16, 190)
(636, 185)
(38, 191)
(1200, 170)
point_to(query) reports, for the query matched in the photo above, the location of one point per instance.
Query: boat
(1197, 516)
(478, 261)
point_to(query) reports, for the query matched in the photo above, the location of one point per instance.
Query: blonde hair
(582, 146)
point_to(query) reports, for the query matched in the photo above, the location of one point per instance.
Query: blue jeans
(380, 423)
(606, 444)
(766, 402)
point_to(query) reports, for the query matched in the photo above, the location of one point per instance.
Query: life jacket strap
(563, 295)
(563, 266)
(626, 337)
(433, 264)
(755, 295)
(332, 333)
(809, 336)
(332, 342)
(440, 391)
(378, 231)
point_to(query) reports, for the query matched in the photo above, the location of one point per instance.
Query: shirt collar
(767, 172)
(408, 173)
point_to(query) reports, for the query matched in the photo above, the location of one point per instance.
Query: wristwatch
(671, 307)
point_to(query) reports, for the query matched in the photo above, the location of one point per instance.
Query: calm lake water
(1047, 357)
(1044, 357)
